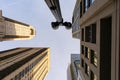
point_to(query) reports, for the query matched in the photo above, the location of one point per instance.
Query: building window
(82, 34)
(87, 34)
(82, 63)
(88, 4)
(94, 58)
(81, 9)
(82, 49)
(92, 1)
(93, 33)
(93, 76)
(87, 52)
(84, 6)
(87, 69)
(90, 33)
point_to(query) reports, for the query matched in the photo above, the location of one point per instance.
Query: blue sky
(37, 14)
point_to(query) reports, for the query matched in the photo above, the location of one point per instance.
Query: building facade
(75, 66)
(76, 21)
(24, 64)
(69, 77)
(14, 30)
(99, 22)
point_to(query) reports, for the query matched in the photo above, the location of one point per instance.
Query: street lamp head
(67, 25)
(54, 7)
(55, 25)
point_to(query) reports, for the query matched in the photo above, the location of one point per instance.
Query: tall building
(24, 64)
(74, 67)
(99, 26)
(76, 21)
(69, 77)
(14, 30)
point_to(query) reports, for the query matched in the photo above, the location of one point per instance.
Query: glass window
(87, 34)
(93, 76)
(82, 49)
(82, 34)
(87, 69)
(87, 52)
(92, 1)
(82, 63)
(93, 33)
(94, 57)
(90, 33)
(81, 9)
(84, 6)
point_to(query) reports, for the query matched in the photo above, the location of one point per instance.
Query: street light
(55, 9)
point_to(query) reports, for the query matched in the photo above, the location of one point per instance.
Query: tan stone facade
(100, 39)
(24, 64)
(14, 30)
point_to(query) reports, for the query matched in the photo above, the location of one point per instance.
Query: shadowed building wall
(99, 22)
(76, 21)
(24, 64)
(75, 66)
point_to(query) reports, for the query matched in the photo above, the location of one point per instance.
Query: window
(90, 33)
(82, 49)
(87, 69)
(92, 1)
(93, 33)
(87, 4)
(93, 76)
(82, 63)
(87, 34)
(84, 6)
(87, 52)
(94, 57)
(105, 47)
(82, 34)
(81, 9)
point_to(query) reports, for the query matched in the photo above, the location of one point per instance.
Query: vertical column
(118, 40)
(2, 28)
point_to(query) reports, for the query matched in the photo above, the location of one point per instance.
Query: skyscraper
(99, 25)
(14, 30)
(76, 21)
(24, 64)
(74, 66)
(69, 77)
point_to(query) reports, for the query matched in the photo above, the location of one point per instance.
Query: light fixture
(54, 7)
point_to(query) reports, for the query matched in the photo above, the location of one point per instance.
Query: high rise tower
(98, 22)
(73, 71)
(14, 30)
(24, 64)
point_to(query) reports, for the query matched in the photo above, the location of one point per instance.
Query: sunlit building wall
(24, 64)
(99, 22)
(14, 30)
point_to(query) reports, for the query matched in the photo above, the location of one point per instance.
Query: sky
(37, 14)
